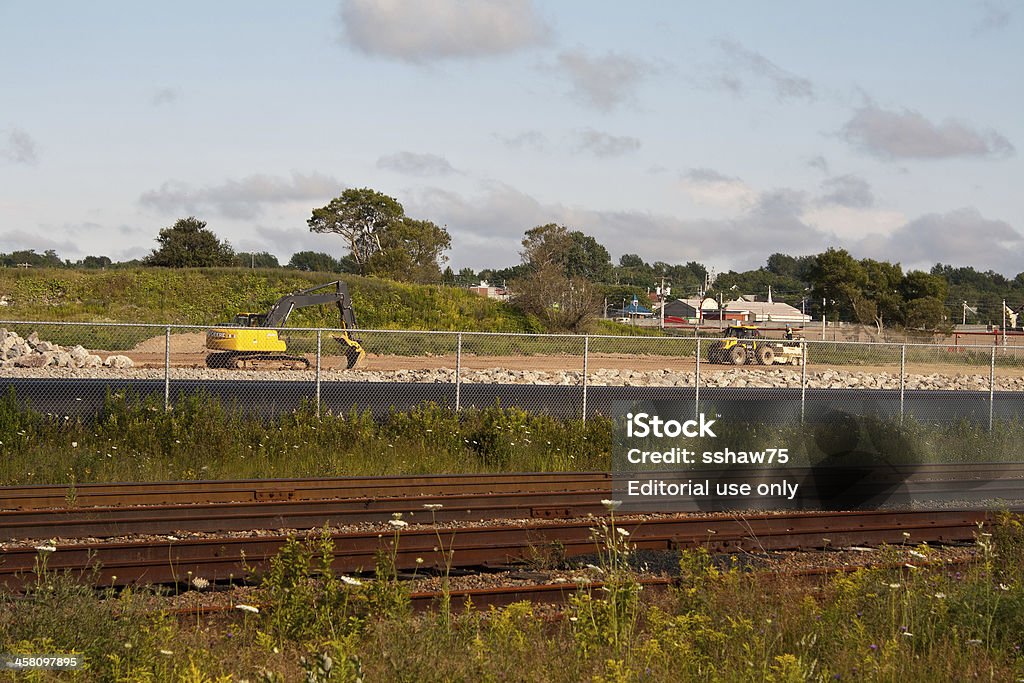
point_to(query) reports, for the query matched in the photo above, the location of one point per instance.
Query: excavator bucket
(353, 350)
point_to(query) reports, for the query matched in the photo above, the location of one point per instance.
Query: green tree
(839, 280)
(189, 244)
(587, 258)
(362, 217)
(411, 251)
(927, 313)
(917, 284)
(563, 302)
(314, 262)
(883, 290)
(631, 261)
(95, 262)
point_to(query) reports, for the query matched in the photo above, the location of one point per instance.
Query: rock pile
(33, 352)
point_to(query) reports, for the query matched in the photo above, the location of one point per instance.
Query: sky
(684, 131)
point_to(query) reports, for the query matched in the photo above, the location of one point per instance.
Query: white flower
(74, 444)
(917, 554)
(940, 596)
(908, 634)
(398, 523)
(200, 583)
(350, 581)
(611, 504)
(910, 566)
(894, 585)
(248, 608)
(1003, 587)
(432, 506)
(906, 534)
(167, 653)
(622, 531)
(46, 548)
(974, 641)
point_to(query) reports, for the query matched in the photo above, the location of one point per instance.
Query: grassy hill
(210, 295)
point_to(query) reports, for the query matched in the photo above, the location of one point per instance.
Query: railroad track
(140, 509)
(269, 490)
(171, 560)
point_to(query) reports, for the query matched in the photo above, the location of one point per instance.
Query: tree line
(565, 275)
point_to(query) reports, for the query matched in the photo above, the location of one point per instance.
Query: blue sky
(715, 132)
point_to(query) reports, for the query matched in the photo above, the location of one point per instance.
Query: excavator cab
(250, 320)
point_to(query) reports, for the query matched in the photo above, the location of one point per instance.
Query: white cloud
(709, 187)
(243, 199)
(604, 144)
(40, 241)
(437, 29)
(852, 223)
(18, 147)
(962, 237)
(909, 135)
(603, 82)
(411, 163)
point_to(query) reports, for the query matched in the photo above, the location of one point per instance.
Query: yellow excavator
(251, 341)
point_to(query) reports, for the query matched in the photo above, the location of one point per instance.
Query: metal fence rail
(69, 369)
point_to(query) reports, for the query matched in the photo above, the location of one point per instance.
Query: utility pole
(965, 314)
(1003, 328)
(823, 319)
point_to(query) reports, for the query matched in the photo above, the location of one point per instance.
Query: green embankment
(207, 296)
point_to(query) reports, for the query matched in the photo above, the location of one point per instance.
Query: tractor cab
(743, 332)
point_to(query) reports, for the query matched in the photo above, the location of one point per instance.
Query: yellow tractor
(744, 344)
(251, 341)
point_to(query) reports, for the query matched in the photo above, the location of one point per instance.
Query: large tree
(548, 290)
(189, 244)
(839, 280)
(411, 251)
(362, 217)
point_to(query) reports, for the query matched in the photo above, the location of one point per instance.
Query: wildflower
(873, 646)
(419, 560)
(128, 645)
(622, 531)
(46, 548)
(910, 566)
(1003, 587)
(974, 641)
(74, 444)
(908, 634)
(248, 608)
(350, 581)
(894, 585)
(611, 504)
(906, 534)
(433, 506)
(917, 554)
(167, 653)
(398, 523)
(200, 583)
(940, 596)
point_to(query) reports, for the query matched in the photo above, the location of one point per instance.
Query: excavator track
(256, 361)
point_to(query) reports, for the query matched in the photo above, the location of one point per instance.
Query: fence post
(586, 359)
(319, 339)
(803, 380)
(696, 381)
(458, 372)
(903, 378)
(991, 388)
(167, 369)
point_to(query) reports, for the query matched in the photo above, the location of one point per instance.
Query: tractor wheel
(765, 355)
(738, 355)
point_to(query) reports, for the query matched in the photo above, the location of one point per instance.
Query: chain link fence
(71, 369)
